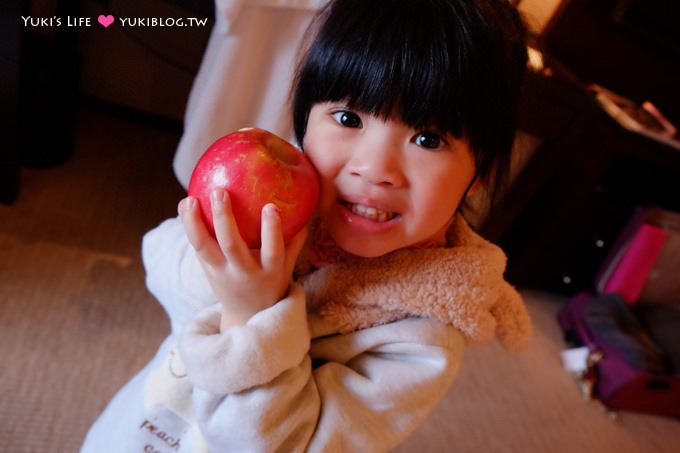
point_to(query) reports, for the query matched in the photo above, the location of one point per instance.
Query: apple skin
(257, 167)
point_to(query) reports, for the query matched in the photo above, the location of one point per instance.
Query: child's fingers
(226, 231)
(273, 249)
(197, 233)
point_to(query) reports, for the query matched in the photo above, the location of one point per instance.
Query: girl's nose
(376, 159)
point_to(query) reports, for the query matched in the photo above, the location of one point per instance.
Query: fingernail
(182, 206)
(271, 210)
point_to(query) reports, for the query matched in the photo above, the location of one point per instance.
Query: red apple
(257, 167)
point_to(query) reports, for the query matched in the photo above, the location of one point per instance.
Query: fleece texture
(460, 284)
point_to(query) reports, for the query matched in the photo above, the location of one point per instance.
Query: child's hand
(245, 281)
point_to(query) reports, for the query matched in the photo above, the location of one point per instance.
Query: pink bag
(644, 263)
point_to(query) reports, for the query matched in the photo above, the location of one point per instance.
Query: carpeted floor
(76, 321)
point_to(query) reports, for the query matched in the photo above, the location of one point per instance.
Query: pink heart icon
(105, 20)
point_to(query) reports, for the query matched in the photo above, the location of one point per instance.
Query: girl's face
(384, 185)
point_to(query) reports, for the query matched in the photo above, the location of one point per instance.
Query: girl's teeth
(372, 213)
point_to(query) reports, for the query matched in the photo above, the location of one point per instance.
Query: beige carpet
(76, 321)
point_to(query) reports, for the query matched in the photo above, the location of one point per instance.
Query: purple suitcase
(633, 345)
(628, 371)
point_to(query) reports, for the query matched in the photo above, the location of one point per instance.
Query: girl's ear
(474, 187)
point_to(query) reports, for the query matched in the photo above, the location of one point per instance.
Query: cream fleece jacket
(358, 370)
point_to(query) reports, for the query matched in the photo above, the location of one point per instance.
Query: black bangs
(386, 64)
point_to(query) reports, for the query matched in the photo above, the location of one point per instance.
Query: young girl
(405, 107)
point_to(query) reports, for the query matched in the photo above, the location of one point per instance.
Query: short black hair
(453, 65)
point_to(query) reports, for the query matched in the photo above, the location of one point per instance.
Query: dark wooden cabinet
(39, 71)
(630, 46)
(10, 47)
(571, 202)
(557, 222)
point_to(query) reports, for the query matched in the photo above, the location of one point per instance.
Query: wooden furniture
(10, 45)
(590, 173)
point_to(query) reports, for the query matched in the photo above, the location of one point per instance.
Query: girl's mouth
(369, 212)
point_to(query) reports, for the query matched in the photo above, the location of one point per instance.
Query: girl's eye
(428, 140)
(347, 119)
